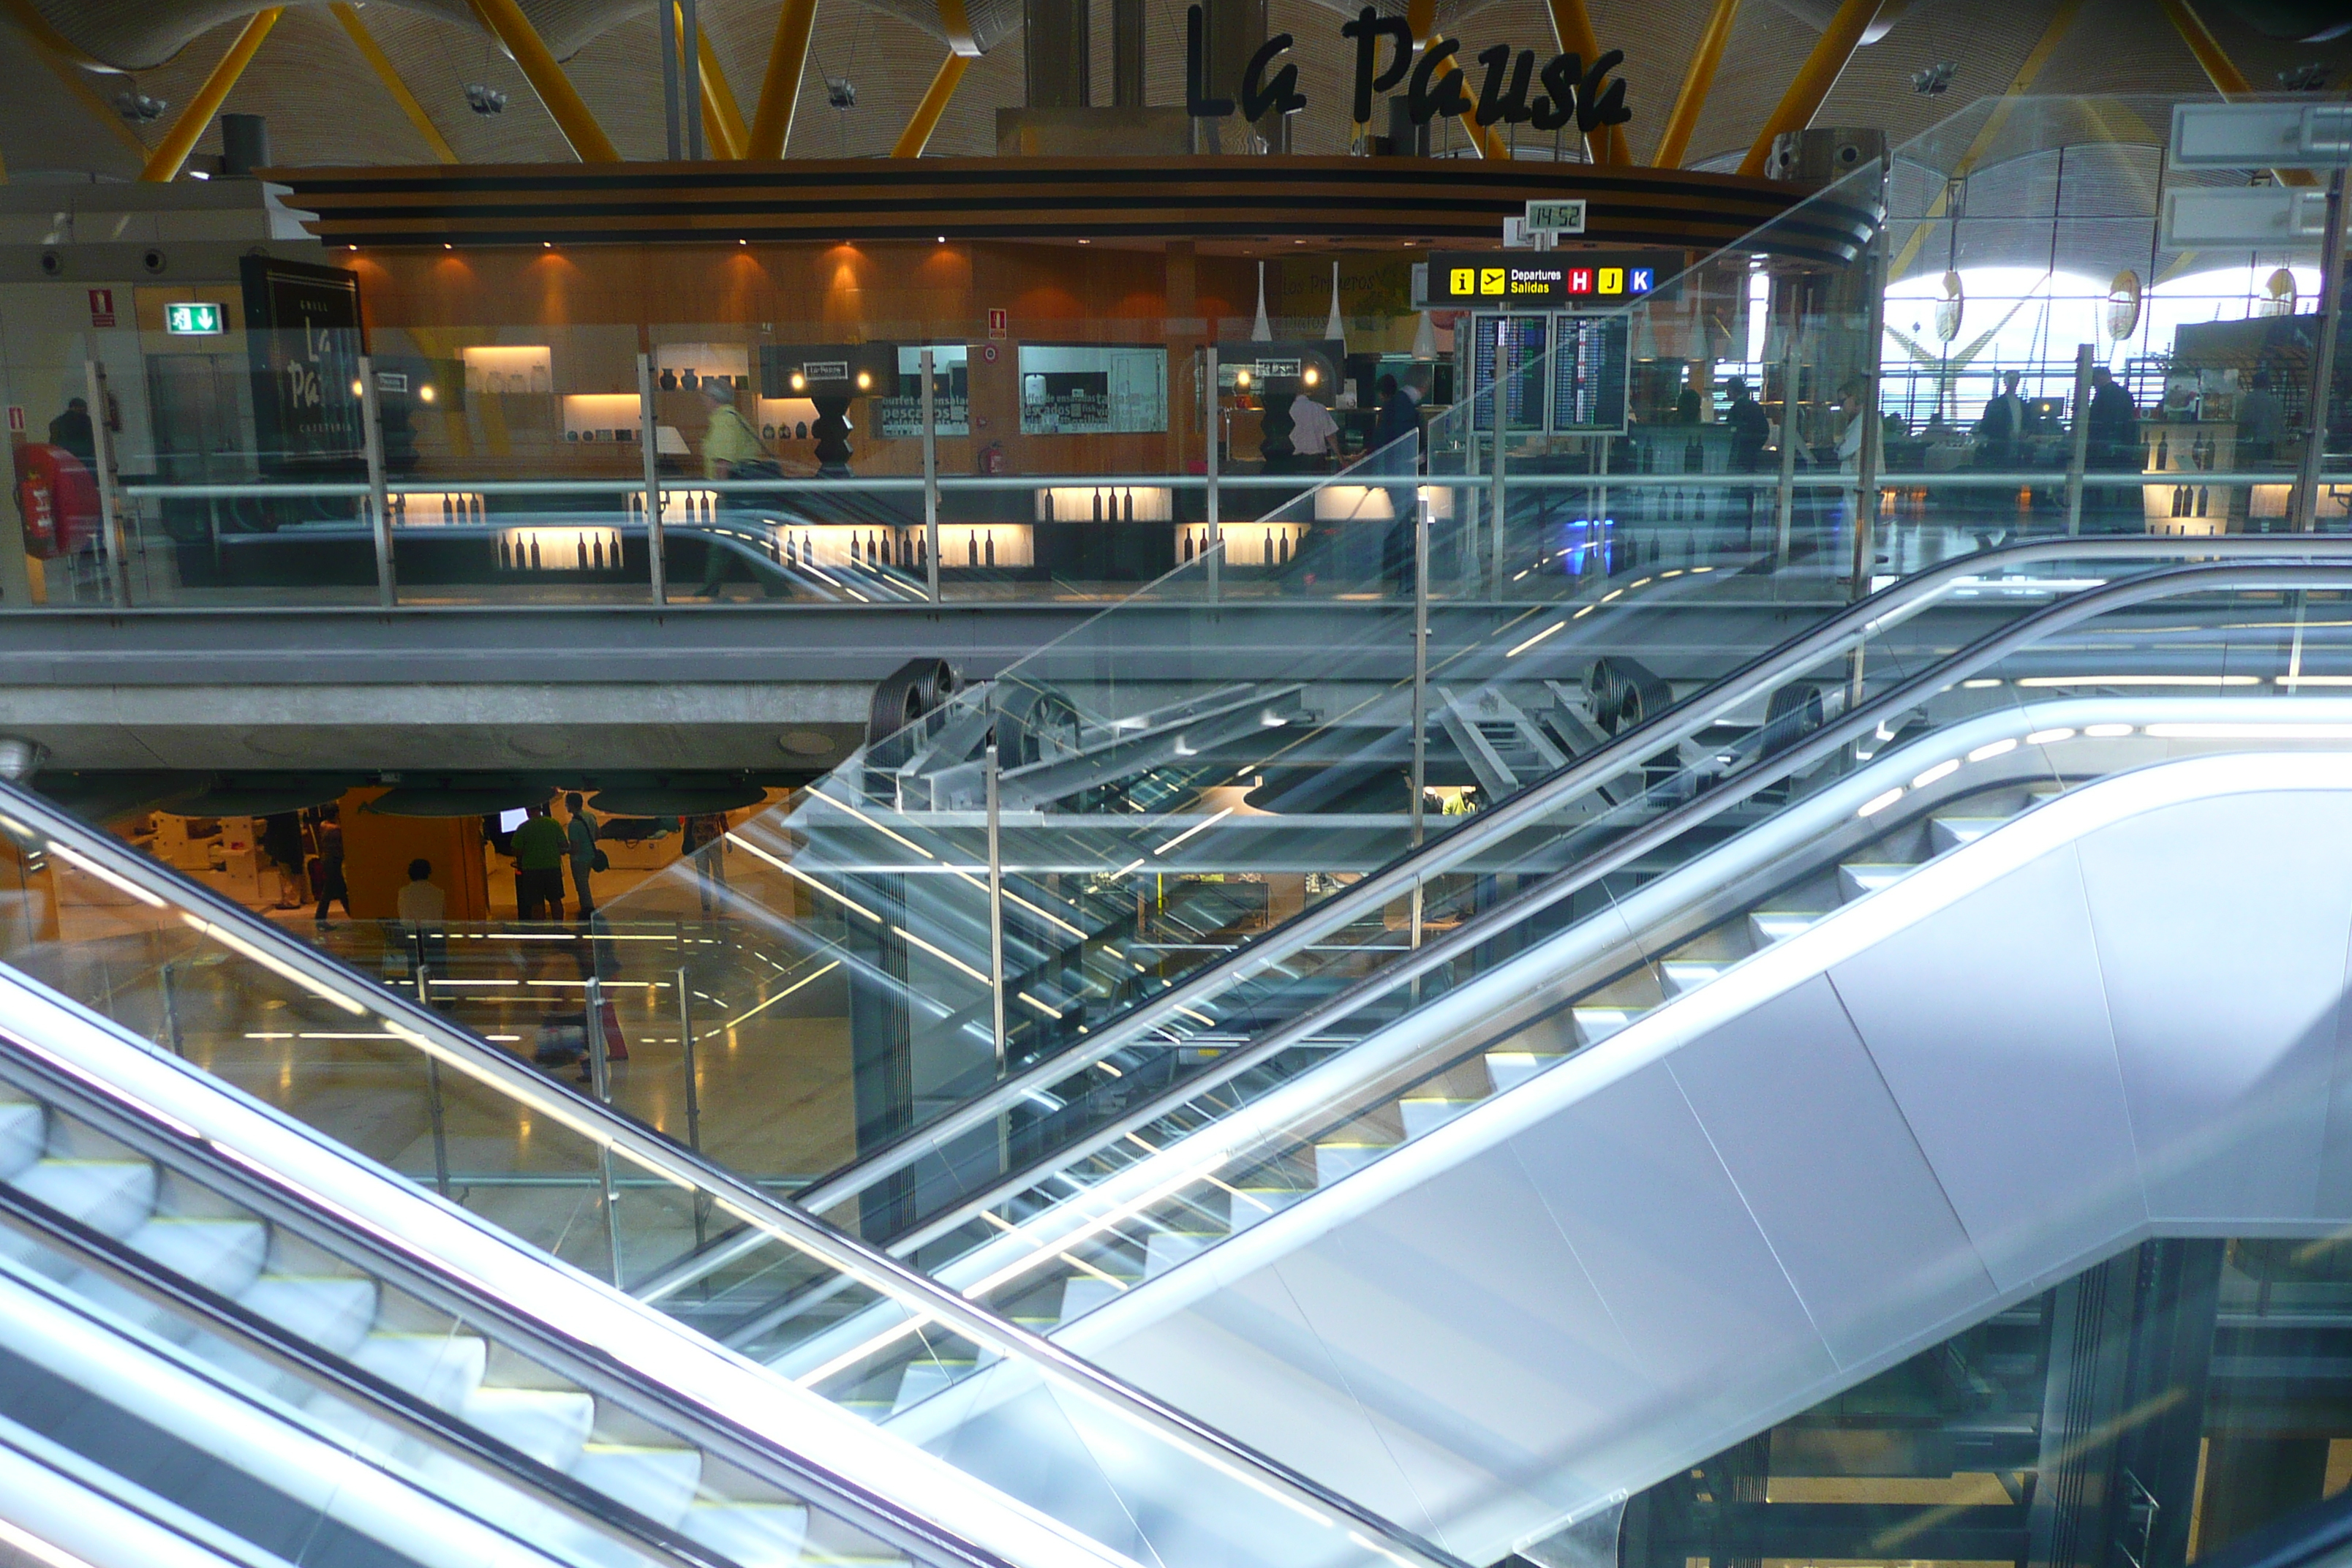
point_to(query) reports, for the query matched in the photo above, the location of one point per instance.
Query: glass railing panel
(205, 1314)
(1650, 911)
(555, 1169)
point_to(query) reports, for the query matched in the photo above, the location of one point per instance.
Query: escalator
(234, 1342)
(352, 1178)
(1460, 1233)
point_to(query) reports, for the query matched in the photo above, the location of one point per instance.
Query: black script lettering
(1197, 103)
(1424, 104)
(1597, 107)
(1368, 29)
(1557, 107)
(1493, 102)
(1282, 96)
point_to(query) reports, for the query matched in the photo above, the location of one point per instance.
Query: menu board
(305, 338)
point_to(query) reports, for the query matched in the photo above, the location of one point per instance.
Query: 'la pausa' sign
(1572, 93)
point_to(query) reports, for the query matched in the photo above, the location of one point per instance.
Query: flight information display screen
(1590, 374)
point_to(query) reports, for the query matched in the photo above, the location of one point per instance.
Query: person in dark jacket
(72, 431)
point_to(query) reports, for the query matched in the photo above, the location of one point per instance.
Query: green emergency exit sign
(194, 320)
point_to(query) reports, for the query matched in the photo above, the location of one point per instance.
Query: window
(1078, 390)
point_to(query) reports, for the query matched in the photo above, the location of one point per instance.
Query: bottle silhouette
(992, 547)
(1097, 506)
(970, 548)
(687, 379)
(668, 379)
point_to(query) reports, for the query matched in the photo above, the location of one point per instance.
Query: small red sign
(996, 323)
(102, 307)
(15, 419)
(988, 352)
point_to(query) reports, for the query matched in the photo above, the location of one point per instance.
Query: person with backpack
(580, 846)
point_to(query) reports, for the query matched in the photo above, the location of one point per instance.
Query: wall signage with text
(1573, 94)
(1553, 278)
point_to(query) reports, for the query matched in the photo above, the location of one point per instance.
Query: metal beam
(722, 121)
(2061, 20)
(2226, 79)
(1814, 78)
(507, 23)
(69, 77)
(171, 153)
(1571, 29)
(28, 16)
(926, 118)
(780, 90)
(1684, 118)
(373, 53)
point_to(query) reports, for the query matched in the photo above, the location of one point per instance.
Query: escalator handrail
(188, 1300)
(1498, 920)
(1754, 680)
(919, 1293)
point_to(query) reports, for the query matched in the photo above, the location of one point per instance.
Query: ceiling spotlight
(1936, 79)
(138, 107)
(2311, 77)
(485, 100)
(425, 393)
(800, 382)
(1312, 375)
(863, 381)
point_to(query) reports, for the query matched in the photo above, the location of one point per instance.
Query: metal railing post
(111, 538)
(599, 1084)
(432, 1083)
(2077, 457)
(2323, 362)
(649, 449)
(165, 980)
(387, 585)
(1784, 495)
(686, 1052)
(1420, 685)
(1865, 496)
(1216, 531)
(930, 485)
(1496, 506)
(995, 912)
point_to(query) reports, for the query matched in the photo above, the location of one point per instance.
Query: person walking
(331, 866)
(731, 449)
(539, 847)
(580, 846)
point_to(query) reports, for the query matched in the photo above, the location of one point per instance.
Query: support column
(1058, 46)
(370, 51)
(39, 35)
(2222, 72)
(722, 121)
(172, 154)
(1814, 78)
(1127, 44)
(507, 23)
(1697, 81)
(926, 118)
(780, 89)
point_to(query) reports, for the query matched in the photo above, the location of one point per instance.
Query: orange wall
(377, 850)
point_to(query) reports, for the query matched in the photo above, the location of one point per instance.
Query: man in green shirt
(729, 443)
(538, 847)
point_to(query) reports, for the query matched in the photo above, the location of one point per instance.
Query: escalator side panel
(1773, 1193)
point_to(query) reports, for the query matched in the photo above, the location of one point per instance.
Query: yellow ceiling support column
(722, 121)
(780, 90)
(1814, 78)
(1684, 120)
(385, 72)
(1421, 16)
(926, 118)
(2055, 29)
(47, 38)
(1571, 29)
(2226, 79)
(507, 23)
(69, 76)
(172, 154)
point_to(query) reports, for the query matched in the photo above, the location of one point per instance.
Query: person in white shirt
(1312, 431)
(423, 908)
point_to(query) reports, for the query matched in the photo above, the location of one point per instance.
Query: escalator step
(1334, 1160)
(1859, 877)
(1690, 974)
(752, 1535)
(1426, 1115)
(24, 1129)
(1508, 1069)
(1251, 1205)
(112, 1196)
(1778, 925)
(657, 1482)
(550, 1424)
(1951, 832)
(1597, 1024)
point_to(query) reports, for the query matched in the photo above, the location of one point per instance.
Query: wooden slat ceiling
(326, 108)
(1405, 201)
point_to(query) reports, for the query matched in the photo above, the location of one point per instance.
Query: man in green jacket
(538, 847)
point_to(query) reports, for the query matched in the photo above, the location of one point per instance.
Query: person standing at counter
(2115, 422)
(731, 451)
(2260, 419)
(1314, 433)
(2003, 429)
(1751, 430)
(538, 847)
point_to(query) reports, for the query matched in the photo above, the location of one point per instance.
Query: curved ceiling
(326, 106)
